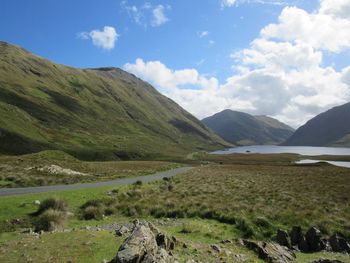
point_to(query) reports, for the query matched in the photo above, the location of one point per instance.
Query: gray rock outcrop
(270, 252)
(146, 244)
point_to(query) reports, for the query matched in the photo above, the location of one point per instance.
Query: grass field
(32, 169)
(229, 197)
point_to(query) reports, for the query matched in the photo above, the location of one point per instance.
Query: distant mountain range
(103, 113)
(331, 128)
(244, 129)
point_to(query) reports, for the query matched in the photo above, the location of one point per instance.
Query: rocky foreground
(147, 244)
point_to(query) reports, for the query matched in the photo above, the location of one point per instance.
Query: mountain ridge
(100, 113)
(330, 128)
(244, 129)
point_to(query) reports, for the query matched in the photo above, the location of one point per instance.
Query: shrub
(52, 203)
(138, 183)
(93, 212)
(246, 229)
(50, 220)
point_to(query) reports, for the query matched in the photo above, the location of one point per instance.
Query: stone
(146, 244)
(314, 239)
(339, 244)
(303, 245)
(271, 252)
(296, 235)
(283, 238)
(121, 231)
(328, 261)
(226, 241)
(216, 248)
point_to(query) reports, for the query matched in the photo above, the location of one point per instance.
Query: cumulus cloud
(105, 39)
(281, 74)
(323, 29)
(159, 17)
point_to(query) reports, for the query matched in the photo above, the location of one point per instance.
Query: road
(124, 181)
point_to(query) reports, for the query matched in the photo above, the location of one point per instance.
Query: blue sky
(206, 55)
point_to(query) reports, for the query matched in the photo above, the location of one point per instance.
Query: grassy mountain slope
(330, 128)
(244, 129)
(103, 113)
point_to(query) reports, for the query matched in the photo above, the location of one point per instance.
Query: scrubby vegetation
(256, 201)
(56, 167)
(229, 197)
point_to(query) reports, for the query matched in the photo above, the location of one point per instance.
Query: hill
(330, 128)
(103, 113)
(244, 129)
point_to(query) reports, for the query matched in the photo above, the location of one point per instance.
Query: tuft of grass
(50, 220)
(52, 203)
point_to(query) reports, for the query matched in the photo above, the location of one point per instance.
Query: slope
(244, 129)
(330, 128)
(103, 113)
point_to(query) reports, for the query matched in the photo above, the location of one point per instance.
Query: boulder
(296, 235)
(303, 245)
(339, 244)
(270, 252)
(314, 239)
(146, 244)
(283, 238)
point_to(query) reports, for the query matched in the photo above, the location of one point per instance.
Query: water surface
(303, 150)
(336, 163)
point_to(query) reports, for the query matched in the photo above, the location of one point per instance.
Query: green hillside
(244, 129)
(330, 128)
(103, 113)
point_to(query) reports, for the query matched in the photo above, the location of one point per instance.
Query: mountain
(244, 129)
(330, 128)
(103, 113)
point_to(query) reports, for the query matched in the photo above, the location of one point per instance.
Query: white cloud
(337, 8)
(281, 73)
(159, 17)
(319, 30)
(105, 39)
(146, 14)
(202, 34)
(227, 3)
(230, 3)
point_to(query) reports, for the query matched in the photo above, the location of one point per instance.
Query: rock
(283, 238)
(270, 252)
(344, 245)
(121, 231)
(314, 239)
(146, 244)
(339, 244)
(27, 231)
(303, 245)
(296, 235)
(226, 241)
(240, 257)
(327, 261)
(216, 248)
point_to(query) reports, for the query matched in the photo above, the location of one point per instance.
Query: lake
(336, 163)
(303, 150)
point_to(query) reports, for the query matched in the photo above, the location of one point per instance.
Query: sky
(289, 59)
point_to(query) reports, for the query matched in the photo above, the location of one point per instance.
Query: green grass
(93, 114)
(22, 171)
(244, 196)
